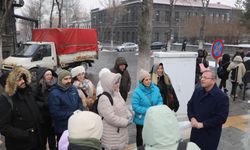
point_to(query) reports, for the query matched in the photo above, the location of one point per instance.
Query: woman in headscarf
(163, 82)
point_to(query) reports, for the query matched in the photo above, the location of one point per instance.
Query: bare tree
(205, 4)
(113, 14)
(171, 24)
(51, 13)
(6, 9)
(33, 10)
(59, 7)
(239, 4)
(145, 32)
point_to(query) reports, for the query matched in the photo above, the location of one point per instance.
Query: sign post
(217, 51)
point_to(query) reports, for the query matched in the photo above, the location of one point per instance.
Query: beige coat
(115, 118)
(237, 62)
(90, 92)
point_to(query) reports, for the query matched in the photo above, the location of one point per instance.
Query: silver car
(129, 46)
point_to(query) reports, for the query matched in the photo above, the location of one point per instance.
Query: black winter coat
(42, 96)
(20, 124)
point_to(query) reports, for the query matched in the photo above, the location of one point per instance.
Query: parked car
(157, 45)
(129, 46)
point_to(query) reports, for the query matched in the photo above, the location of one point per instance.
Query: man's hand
(194, 123)
(200, 125)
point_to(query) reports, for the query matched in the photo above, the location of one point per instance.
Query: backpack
(182, 145)
(222, 72)
(8, 99)
(234, 74)
(95, 105)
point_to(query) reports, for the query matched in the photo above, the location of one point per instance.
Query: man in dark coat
(63, 100)
(20, 117)
(207, 110)
(121, 67)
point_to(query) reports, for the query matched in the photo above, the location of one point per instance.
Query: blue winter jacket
(62, 104)
(143, 97)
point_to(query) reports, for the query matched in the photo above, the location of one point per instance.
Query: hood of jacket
(237, 59)
(161, 129)
(120, 61)
(41, 71)
(226, 58)
(12, 80)
(108, 80)
(155, 76)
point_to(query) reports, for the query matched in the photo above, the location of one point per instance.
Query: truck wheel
(85, 65)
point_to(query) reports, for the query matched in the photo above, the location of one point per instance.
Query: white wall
(180, 66)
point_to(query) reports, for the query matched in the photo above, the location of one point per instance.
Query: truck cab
(32, 54)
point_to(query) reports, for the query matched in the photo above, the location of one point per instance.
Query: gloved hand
(130, 120)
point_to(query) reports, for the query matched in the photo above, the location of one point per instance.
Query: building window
(177, 15)
(118, 36)
(133, 37)
(123, 36)
(167, 16)
(157, 15)
(128, 35)
(165, 37)
(109, 34)
(133, 15)
(157, 35)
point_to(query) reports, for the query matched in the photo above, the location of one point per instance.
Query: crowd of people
(234, 70)
(44, 109)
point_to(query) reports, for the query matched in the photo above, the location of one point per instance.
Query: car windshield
(26, 50)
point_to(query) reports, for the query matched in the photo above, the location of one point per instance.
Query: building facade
(121, 23)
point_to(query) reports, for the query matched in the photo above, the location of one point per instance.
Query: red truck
(56, 48)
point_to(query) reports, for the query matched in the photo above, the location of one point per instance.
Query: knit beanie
(63, 74)
(143, 74)
(77, 70)
(85, 124)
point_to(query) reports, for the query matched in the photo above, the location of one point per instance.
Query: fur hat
(143, 74)
(63, 74)
(75, 71)
(85, 124)
(13, 77)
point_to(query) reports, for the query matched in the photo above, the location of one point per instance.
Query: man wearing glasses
(207, 110)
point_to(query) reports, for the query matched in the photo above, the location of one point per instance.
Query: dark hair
(248, 54)
(226, 58)
(200, 53)
(3, 79)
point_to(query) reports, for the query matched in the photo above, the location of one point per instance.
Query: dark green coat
(125, 84)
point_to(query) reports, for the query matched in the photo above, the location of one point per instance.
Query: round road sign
(217, 49)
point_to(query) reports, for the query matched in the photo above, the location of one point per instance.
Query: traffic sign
(217, 49)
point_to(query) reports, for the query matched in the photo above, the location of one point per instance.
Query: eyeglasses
(206, 78)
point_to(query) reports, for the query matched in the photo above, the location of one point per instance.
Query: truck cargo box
(68, 40)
